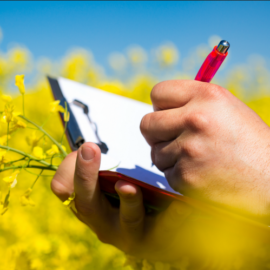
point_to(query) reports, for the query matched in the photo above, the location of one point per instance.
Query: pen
(213, 61)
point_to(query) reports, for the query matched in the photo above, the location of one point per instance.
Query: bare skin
(211, 147)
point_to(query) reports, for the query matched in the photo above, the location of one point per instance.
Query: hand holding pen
(210, 146)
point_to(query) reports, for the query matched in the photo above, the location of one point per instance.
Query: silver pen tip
(223, 46)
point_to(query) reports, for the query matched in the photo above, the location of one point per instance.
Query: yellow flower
(167, 55)
(54, 150)
(19, 82)
(3, 159)
(33, 139)
(137, 55)
(70, 202)
(55, 107)
(9, 116)
(12, 179)
(8, 113)
(17, 123)
(38, 152)
(6, 98)
(26, 200)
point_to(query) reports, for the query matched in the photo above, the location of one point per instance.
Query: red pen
(213, 61)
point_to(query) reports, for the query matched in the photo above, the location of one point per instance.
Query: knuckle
(145, 123)
(192, 148)
(155, 154)
(198, 121)
(214, 91)
(155, 93)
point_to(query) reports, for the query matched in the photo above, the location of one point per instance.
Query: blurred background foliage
(47, 236)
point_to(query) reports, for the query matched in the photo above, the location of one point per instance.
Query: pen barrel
(210, 65)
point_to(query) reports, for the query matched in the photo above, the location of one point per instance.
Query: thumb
(86, 177)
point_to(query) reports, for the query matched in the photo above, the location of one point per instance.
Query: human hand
(177, 232)
(210, 145)
(125, 228)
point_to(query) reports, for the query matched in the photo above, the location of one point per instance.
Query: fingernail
(87, 153)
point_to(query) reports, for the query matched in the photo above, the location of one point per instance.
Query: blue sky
(51, 28)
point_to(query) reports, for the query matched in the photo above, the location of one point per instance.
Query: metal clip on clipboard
(74, 133)
(103, 147)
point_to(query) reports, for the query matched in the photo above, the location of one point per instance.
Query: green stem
(41, 137)
(32, 128)
(51, 168)
(13, 161)
(46, 120)
(48, 135)
(64, 133)
(52, 158)
(36, 179)
(26, 155)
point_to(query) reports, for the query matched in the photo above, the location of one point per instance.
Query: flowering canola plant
(36, 230)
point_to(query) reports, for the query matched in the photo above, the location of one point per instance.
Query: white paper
(118, 121)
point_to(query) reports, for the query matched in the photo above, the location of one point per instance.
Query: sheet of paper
(118, 121)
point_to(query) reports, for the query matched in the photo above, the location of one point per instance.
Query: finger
(176, 93)
(163, 126)
(92, 206)
(165, 154)
(181, 180)
(62, 184)
(131, 210)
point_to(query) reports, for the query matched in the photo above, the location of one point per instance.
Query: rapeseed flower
(12, 179)
(17, 123)
(24, 241)
(38, 152)
(167, 55)
(55, 107)
(54, 150)
(70, 203)
(137, 55)
(11, 117)
(33, 139)
(19, 82)
(3, 158)
(8, 113)
(25, 199)
(69, 200)
(6, 98)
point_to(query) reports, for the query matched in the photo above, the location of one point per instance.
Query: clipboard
(112, 122)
